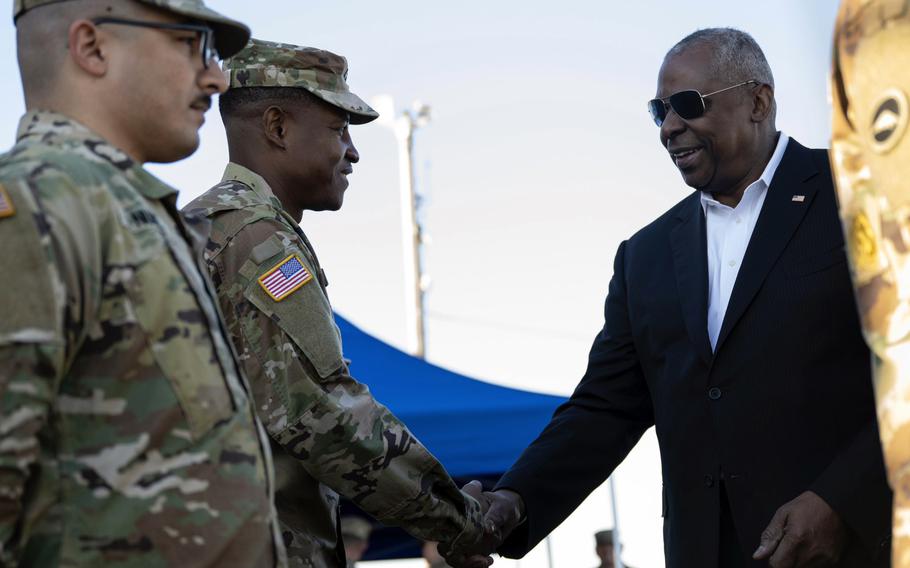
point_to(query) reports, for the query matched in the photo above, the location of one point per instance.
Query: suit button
(714, 393)
(709, 481)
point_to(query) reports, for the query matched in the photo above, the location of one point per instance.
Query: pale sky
(539, 160)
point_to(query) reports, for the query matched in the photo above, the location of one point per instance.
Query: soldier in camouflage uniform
(127, 437)
(871, 156)
(287, 114)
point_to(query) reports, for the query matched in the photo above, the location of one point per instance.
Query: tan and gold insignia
(863, 244)
(7, 209)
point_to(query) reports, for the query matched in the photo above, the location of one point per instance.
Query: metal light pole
(405, 124)
(617, 542)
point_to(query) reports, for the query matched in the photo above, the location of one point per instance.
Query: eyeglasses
(205, 37)
(687, 104)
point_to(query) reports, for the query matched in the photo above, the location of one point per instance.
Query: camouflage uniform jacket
(127, 437)
(333, 435)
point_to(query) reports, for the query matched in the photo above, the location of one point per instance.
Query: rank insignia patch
(6, 204)
(282, 280)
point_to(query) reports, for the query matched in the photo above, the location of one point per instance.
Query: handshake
(502, 511)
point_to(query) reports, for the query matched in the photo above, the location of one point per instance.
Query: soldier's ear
(274, 126)
(88, 47)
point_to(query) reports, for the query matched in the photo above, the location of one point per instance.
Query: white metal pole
(549, 552)
(617, 551)
(410, 235)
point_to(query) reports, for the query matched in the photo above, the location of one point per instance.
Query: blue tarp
(474, 428)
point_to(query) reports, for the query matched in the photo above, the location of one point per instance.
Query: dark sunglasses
(687, 104)
(205, 37)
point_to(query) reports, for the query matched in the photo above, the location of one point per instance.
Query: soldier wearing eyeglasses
(730, 326)
(127, 435)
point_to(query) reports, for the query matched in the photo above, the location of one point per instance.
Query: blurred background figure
(355, 532)
(870, 152)
(432, 556)
(603, 546)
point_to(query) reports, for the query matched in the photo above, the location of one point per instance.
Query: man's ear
(88, 48)
(275, 126)
(762, 102)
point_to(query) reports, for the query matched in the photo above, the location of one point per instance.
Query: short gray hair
(737, 56)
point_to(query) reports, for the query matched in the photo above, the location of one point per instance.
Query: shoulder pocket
(304, 313)
(29, 302)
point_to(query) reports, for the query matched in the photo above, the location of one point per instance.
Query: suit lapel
(779, 218)
(690, 261)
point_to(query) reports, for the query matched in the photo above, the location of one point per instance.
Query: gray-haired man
(730, 326)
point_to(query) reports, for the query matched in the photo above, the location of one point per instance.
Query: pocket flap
(817, 263)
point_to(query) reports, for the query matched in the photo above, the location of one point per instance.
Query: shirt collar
(249, 178)
(55, 129)
(759, 185)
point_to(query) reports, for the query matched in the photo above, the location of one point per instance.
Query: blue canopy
(476, 429)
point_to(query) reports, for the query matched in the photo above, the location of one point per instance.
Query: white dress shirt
(729, 230)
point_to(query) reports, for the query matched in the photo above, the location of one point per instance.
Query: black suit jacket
(783, 405)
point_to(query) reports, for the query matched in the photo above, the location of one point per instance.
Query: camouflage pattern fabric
(333, 435)
(323, 73)
(870, 152)
(127, 437)
(230, 35)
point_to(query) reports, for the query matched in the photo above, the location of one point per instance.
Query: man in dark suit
(730, 325)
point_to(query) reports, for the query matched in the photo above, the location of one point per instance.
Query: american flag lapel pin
(798, 198)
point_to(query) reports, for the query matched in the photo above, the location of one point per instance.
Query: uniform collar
(249, 178)
(55, 129)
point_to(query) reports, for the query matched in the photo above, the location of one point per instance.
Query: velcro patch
(7, 209)
(285, 278)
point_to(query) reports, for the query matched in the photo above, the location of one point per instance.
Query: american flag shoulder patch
(285, 278)
(7, 209)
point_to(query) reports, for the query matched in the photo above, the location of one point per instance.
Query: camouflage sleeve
(31, 357)
(870, 157)
(312, 406)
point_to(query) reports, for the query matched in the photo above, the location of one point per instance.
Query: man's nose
(671, 126)
(212, 79)
(351, 153)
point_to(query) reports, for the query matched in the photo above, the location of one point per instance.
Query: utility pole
(617, 542)
(405, 125)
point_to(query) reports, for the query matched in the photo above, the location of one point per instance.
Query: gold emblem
(863, 245)
(888, 121)
(7, 209)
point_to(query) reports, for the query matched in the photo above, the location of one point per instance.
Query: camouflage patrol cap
(269, 64)
(230, 35)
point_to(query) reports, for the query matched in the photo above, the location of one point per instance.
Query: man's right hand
(504, 511)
